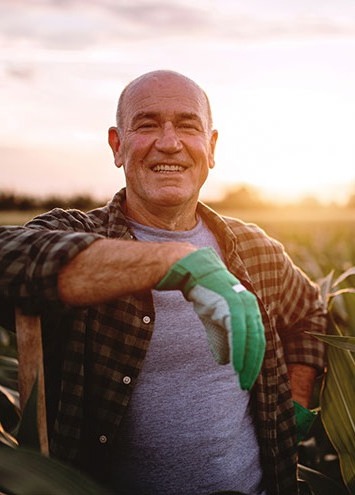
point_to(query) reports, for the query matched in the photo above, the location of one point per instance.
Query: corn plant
(338, 390)
(24, 471)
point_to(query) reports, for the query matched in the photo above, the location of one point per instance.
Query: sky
(280, 76)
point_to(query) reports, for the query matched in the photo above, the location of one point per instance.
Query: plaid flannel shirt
(100, 349)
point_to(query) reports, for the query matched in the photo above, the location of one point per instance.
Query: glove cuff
(185, 273)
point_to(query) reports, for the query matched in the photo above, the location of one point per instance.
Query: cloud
(168, 18)
(74, 24)
(78, 24)
(20, 71)
(42, 32)
(45, 25)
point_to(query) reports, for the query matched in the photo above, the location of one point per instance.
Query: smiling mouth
(168, 168)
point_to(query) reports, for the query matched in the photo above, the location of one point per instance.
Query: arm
(302, 378)
(30, 261)
(110, 268)
(303, 311)
(38, 266)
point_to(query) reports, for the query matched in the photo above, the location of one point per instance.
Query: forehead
(167, 96)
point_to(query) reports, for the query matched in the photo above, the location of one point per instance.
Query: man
(135, 396)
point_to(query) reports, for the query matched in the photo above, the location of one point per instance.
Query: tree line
(21, 202)
(239, 197)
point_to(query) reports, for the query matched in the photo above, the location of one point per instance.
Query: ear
(114, 141)
(213, 141)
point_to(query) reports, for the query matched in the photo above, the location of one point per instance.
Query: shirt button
(127, 380)
(146, 319)
(103, 439)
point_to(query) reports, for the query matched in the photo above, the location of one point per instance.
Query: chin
(174, 198)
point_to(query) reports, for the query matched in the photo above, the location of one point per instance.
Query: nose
(168, 141)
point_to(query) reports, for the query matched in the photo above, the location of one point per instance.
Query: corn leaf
(23, 472)
(28, 434)
(348, 273)
(338, 411)
(8, 372)
(6, 438)
(346, 342)
(319, 483)
(338, 390)
(325, 285)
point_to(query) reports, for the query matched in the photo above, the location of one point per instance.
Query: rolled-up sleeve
(31, 258)
(301, 311)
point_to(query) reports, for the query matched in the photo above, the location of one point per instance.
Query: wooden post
(30, 358)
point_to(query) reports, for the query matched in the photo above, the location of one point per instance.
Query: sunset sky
(280, 75)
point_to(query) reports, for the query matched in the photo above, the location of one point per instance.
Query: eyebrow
(144, 115)
(190, 116)
(155, 115)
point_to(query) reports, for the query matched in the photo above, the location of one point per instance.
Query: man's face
(165, 143)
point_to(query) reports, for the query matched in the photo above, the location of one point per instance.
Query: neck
(168, 218)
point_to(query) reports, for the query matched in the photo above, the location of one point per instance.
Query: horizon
(254, 196)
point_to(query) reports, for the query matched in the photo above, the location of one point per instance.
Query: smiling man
(165, 142)
(175, 339)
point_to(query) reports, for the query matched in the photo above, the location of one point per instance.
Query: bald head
(164, 78)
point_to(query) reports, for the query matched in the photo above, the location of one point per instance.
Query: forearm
(302, 379)
(30, 261)
(110, 268)
(301, 313)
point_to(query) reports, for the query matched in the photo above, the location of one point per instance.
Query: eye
(146, 125)
(189, 125)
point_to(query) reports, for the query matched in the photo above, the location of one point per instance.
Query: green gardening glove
(304, 420)
(229, 313)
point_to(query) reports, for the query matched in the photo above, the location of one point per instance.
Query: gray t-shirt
(187, 429)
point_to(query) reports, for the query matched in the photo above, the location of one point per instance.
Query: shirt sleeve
(32, 256)
(301, 310)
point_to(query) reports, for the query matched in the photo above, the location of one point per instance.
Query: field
(16, 217)
(318, 240)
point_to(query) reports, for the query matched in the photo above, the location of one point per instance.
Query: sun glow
(288, 143)
(280, 79)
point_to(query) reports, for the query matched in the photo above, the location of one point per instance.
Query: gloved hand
(229, 313)
(304, 420)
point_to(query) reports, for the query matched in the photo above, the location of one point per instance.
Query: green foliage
(319, 247)
(320, 483)
(338, 391)
(23, 470)
(27, 433)
(9, 396)
(26, 472)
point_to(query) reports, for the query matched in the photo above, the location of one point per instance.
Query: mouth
(167, 168)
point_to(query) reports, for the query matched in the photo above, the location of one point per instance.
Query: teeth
(168, 168)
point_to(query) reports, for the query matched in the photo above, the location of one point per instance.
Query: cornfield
(324, 248)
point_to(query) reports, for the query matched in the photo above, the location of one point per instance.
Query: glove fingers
(237, 336)
(228, 312)
(304, 420)
(217, 340)
(254, 341)
(254, 354)
(213, 311)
